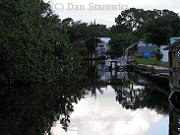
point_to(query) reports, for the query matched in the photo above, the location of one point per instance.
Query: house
(142, 49)
(164, 51)
(174, 65)
(102, 46)
(145, 49)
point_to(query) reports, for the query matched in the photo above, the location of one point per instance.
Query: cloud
(108, 17)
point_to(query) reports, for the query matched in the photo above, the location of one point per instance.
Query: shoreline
(156, 73)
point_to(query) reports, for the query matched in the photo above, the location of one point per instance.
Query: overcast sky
(105, 16)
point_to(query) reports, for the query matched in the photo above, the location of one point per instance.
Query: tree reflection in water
(33, 110)
(138, 92)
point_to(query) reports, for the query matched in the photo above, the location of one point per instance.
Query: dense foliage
(33, 47)
(119, 42)
(161, 28)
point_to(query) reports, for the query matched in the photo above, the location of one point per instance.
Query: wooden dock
(116, 63)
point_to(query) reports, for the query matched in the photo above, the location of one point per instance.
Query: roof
(104, 39)
(176, 44)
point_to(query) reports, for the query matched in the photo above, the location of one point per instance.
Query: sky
(106, 16)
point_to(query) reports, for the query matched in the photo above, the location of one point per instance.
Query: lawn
(149, 61)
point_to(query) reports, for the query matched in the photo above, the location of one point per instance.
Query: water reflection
(127, 104)
(174, 114)
(32, 110)
(104, 116)
(90, 101)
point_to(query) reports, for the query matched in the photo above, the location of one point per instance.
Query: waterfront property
(174, 63)
(142, 49)
(145, 50)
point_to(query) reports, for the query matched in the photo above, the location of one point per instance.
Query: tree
(158, 54)
(33, 47)
(119, 42)
(159, 30)
(133, 20)
(155, 26)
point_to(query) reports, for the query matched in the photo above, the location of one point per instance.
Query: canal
(91, 101)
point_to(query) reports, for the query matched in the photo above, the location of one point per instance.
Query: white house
(102, 46)
(164, 51)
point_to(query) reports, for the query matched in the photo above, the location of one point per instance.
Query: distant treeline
(153, 26)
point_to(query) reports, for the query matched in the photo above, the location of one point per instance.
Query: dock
(119, 63)
(155, 73)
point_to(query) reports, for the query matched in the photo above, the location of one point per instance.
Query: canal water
(92, 101)
(104, 115)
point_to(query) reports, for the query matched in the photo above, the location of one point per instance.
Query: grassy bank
(149, 61)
